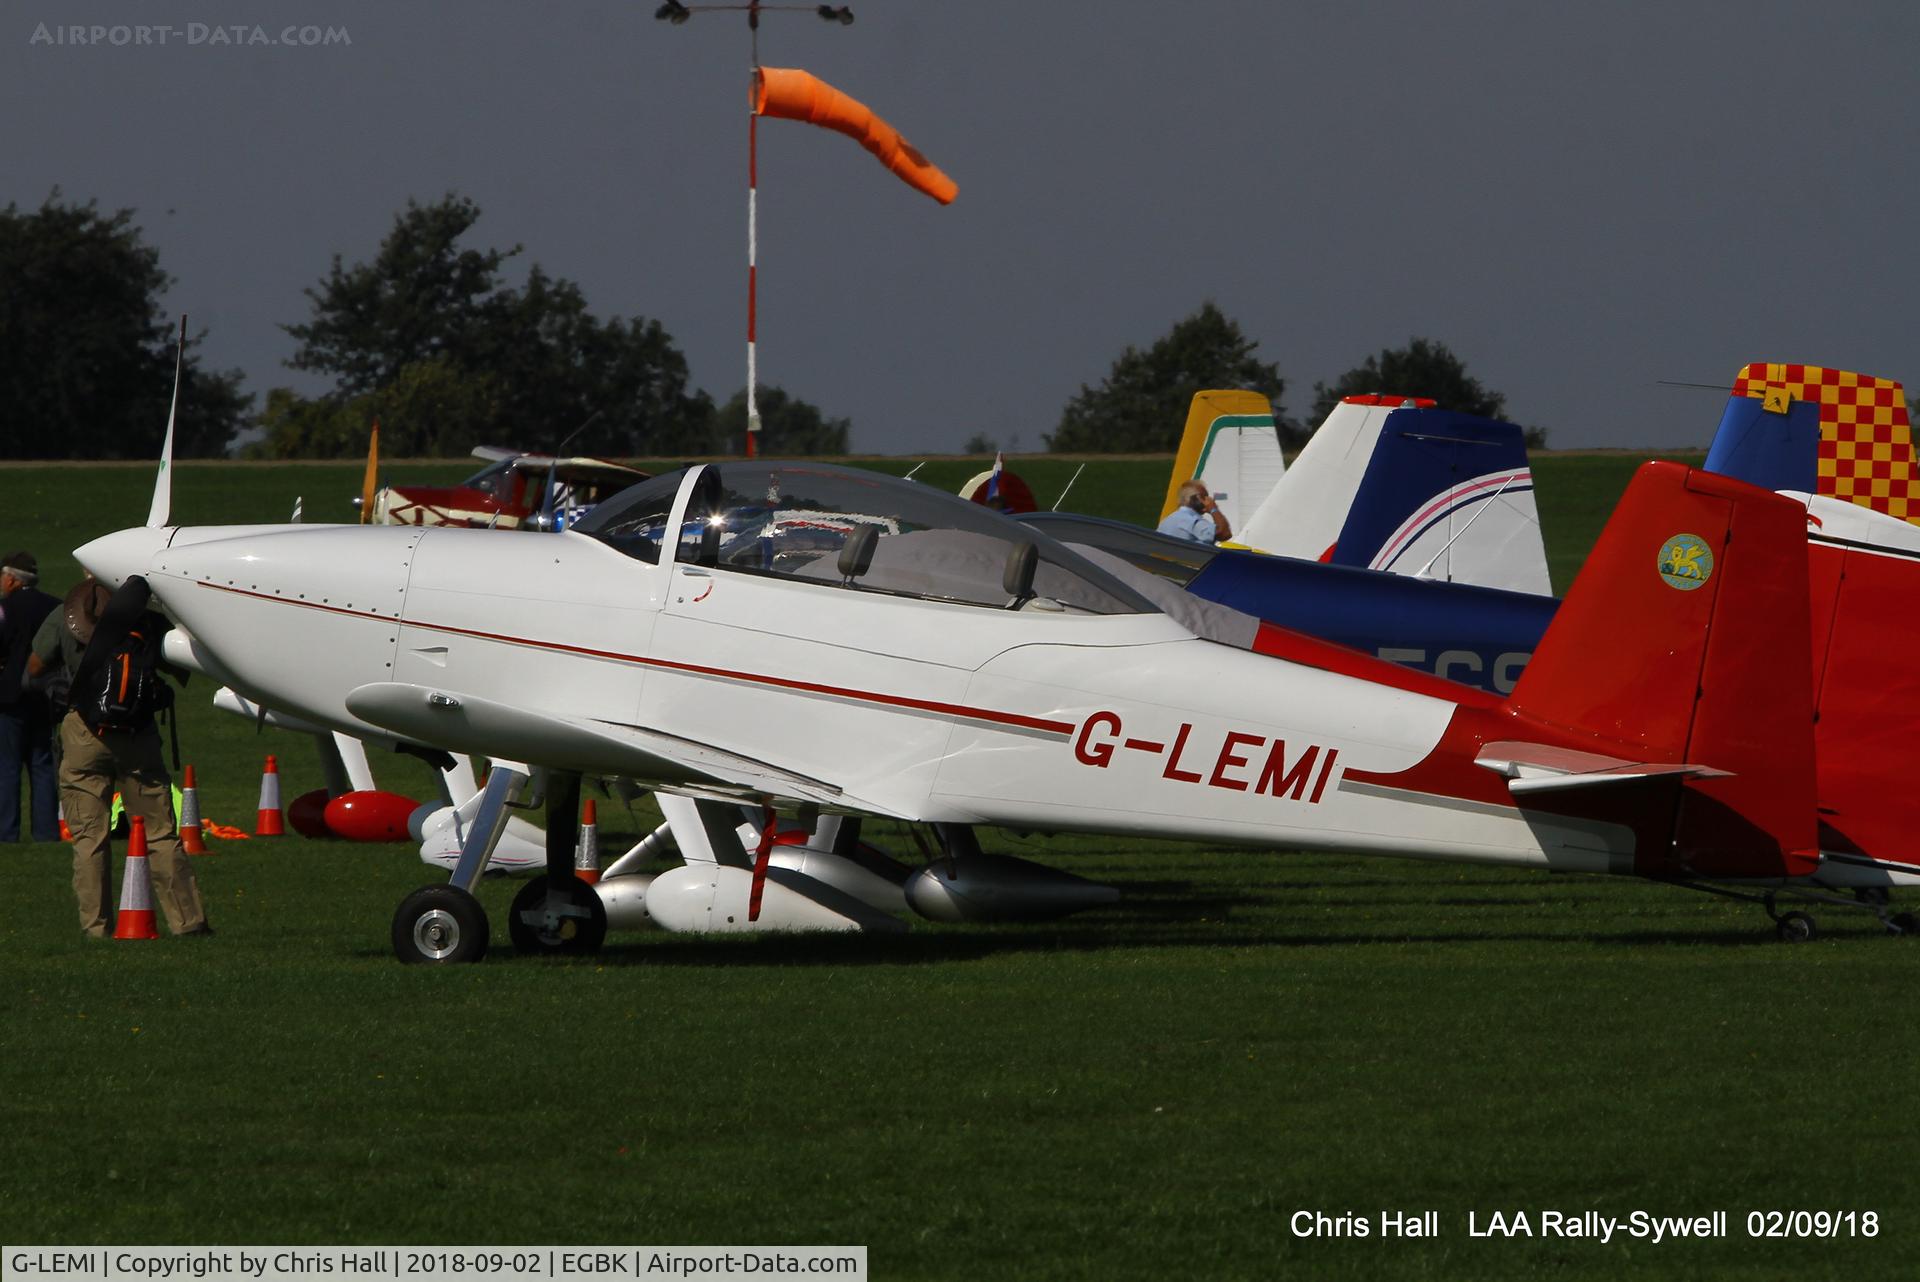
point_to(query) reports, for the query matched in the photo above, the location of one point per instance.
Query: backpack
(117, 685)
(126, 690)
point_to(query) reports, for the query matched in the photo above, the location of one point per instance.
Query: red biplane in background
(508, 493)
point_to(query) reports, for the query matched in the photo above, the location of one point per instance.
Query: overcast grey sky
(1579, 200)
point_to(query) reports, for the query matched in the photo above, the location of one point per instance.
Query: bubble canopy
(846, 528)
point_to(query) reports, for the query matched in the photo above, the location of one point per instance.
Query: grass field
(1149, 1091)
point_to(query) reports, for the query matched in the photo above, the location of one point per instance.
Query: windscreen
(838, 526)
(634, 521)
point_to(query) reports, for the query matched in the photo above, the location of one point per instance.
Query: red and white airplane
(810, 637)
(507, 494)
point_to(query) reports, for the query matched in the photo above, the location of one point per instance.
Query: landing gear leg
(442, 924)
(556, 912)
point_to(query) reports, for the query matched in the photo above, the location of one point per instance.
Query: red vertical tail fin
(1686, 638)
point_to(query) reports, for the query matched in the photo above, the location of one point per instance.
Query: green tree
(429, 338)
(788, 425)
(429, 408)
(1142, 403)
(1421, 368)
(87, 354)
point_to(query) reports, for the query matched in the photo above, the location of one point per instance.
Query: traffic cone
(586, 856)
(135, 918)
(272, 823)
(192, 837)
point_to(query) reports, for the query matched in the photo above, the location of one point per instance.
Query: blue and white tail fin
(1232, 446)
(1393, 484)
(1448, 496)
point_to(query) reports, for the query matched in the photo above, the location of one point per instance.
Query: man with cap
(26, 718)
(94, 763)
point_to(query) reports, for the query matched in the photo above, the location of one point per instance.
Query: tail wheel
(439, 925)
(1795, 928)
(562, 916)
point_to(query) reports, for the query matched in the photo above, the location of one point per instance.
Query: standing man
(1197, 517)
(26, 718)
(108, 740)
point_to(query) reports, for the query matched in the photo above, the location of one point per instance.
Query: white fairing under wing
(468, 723)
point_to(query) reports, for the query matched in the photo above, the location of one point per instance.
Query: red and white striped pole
(753, 231)
(753, 253)
(676, 12)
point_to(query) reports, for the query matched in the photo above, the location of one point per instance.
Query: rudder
(1686, 638)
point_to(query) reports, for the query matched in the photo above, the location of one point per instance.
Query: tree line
(430, 339)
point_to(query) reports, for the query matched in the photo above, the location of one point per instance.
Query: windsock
(789, 94)
(192, 837)
(271, 822)
(135, 918)
(586, 856)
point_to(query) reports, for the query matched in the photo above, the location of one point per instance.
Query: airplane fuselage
(1120, 723)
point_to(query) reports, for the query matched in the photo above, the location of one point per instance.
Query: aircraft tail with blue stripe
(1394, 484)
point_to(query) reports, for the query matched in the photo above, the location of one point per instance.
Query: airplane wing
(464, 723)
(1537, 767)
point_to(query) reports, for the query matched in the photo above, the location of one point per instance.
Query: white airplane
(814, 638)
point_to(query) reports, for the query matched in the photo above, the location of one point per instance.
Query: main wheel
(438, 925)
(1904, 924)
(564, 916)
(1795, 928)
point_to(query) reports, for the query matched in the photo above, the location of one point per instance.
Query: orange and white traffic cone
(135, 918)
(192, 837)
(272, 822)
(586, 855)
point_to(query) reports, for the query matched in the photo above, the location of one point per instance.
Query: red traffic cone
(271, 823)
(586, 856)
(192, 839)
(135, 918)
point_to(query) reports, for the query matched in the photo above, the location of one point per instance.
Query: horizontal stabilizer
(465, 723)
(1538, 767)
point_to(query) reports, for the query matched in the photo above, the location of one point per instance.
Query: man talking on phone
(1197, 516)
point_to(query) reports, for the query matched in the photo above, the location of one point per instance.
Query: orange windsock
(788, 94)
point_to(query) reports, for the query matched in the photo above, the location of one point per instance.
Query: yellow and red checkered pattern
(1866, 443)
